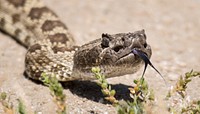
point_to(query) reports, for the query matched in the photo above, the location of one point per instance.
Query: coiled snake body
(51, 47)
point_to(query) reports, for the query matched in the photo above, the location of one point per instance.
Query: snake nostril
(145, 45)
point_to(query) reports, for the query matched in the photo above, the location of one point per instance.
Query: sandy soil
(172, 28)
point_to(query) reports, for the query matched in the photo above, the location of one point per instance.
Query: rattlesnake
(51, 46)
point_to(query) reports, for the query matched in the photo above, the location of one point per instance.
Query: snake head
(113, 54)
(117, 48)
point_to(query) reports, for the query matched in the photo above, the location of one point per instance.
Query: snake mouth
(128, 55)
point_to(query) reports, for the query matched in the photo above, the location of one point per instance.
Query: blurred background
(172, 29)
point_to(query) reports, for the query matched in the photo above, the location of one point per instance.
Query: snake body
(51, 47)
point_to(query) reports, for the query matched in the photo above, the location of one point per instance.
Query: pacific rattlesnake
(51, 47)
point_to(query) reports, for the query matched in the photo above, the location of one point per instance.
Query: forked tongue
(147, 62)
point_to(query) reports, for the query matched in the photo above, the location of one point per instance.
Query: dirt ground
(172, 28)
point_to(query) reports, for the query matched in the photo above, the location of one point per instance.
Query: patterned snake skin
(51, 47)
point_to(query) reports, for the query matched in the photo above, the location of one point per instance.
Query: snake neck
(49, 42)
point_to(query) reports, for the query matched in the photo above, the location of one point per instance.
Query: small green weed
(56, 91)
(21, 107)
(178, 99)
(105, 87)
(7, 106)
(140, 94)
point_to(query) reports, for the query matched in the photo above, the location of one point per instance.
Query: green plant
(192, 108)
(7, 106)
(140, 94)
(178, 99)
(56, 91)
(21, 107)
(105, 87)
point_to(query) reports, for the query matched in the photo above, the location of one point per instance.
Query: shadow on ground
(91, 91)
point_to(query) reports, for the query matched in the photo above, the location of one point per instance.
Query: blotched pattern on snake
(51, 47)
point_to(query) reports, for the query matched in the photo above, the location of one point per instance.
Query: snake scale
(51, 47)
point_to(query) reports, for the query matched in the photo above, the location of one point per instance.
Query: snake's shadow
(91, 91)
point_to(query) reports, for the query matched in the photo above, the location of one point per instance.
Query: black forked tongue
(147, 62)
